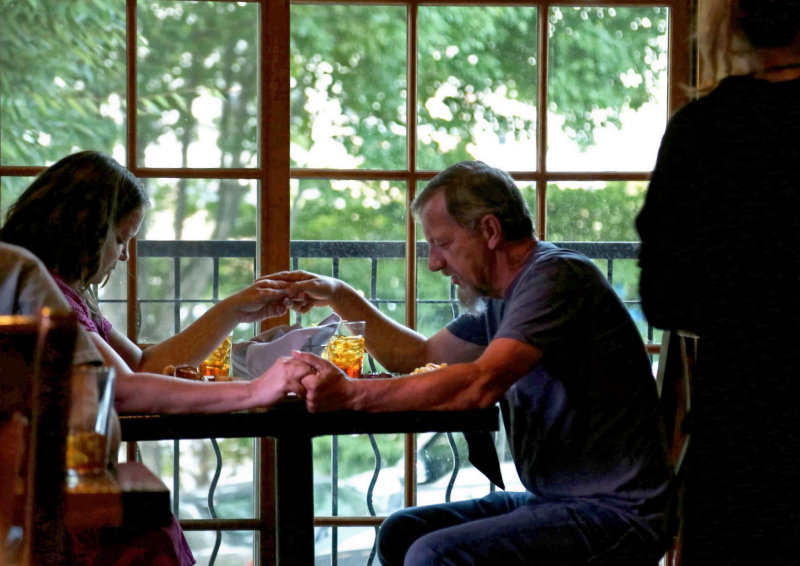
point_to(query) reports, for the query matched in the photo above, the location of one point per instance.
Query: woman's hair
(69, 211)
(730, 33)
(472, 189)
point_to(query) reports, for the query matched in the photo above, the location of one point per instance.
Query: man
(548, 338)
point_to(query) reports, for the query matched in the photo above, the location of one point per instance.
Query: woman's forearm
(151, 393)
(262, 299)
(193, 344)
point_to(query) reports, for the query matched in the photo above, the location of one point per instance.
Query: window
(275, 134)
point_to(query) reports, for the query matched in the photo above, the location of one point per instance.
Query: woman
(720, 237)
(78, 217)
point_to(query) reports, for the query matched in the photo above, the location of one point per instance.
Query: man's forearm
(452, 388)
(395, 346)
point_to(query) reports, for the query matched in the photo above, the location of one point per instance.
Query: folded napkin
(253, 357)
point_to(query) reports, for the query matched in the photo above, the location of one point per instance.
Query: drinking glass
(89, 419)
(217, 365)
(345, 349)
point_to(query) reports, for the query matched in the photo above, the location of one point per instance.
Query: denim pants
(505, 529)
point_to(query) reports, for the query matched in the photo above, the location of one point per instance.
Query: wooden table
(293, 427)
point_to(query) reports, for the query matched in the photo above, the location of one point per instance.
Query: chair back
(35, 370)
(676, 361)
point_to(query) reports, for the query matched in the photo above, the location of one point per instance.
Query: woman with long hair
(78, 217)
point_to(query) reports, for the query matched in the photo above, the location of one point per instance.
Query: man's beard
(470, 300)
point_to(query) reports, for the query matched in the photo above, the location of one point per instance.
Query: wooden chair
(35, 369)
(676, 361)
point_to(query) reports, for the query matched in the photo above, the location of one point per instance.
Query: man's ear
(490, 229)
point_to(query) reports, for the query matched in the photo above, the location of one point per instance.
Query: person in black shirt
(719, 257)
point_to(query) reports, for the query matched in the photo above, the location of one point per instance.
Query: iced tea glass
(345, 349)
(217, 364)
(88, 429)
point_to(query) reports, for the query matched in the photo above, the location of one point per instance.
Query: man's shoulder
(549, 251)
(550, 259)
(12, 256)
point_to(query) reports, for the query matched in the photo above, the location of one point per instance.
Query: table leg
(294, 501)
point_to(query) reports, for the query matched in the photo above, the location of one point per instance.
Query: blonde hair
(721, 43)
(731, 34)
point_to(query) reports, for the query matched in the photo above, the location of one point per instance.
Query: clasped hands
(323, 385)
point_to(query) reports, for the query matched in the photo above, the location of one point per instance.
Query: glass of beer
(346, 348)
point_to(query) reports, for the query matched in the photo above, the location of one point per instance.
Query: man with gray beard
(545, 336)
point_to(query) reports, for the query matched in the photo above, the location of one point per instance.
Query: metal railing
(335, 251)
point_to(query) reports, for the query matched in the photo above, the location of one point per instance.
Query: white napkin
(253, 357)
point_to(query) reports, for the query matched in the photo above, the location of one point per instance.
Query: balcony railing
(607, 254)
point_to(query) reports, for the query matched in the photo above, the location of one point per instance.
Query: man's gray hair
(472, 190)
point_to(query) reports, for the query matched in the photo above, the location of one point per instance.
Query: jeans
(504, 529)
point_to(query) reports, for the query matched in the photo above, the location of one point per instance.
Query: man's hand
(305, 290)
(327, 387)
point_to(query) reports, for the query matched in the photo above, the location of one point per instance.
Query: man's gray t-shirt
(584, 422)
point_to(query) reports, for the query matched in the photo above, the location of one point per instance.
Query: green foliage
(60, 64)
(601, 212)
(355, 453)
(602, 60)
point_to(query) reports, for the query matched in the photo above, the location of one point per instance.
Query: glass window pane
(198, 84)
(359, 232)
(210, 224)
(436, 302)
(201, 209)
(236, 547)
(62, 79)
(598, 220)
(607, 87)
(348, 210)
(348, 86)
(198, 469)
(353, 545)
(594, 212)
(203, 280)
(477, 86)
(113, 298)
(10, 190)
(233, 496)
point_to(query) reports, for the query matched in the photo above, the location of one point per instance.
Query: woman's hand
(262, 299)
(283, 377)
(305, 290)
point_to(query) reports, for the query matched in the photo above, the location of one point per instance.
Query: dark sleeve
(470, 328)
(667, 227)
